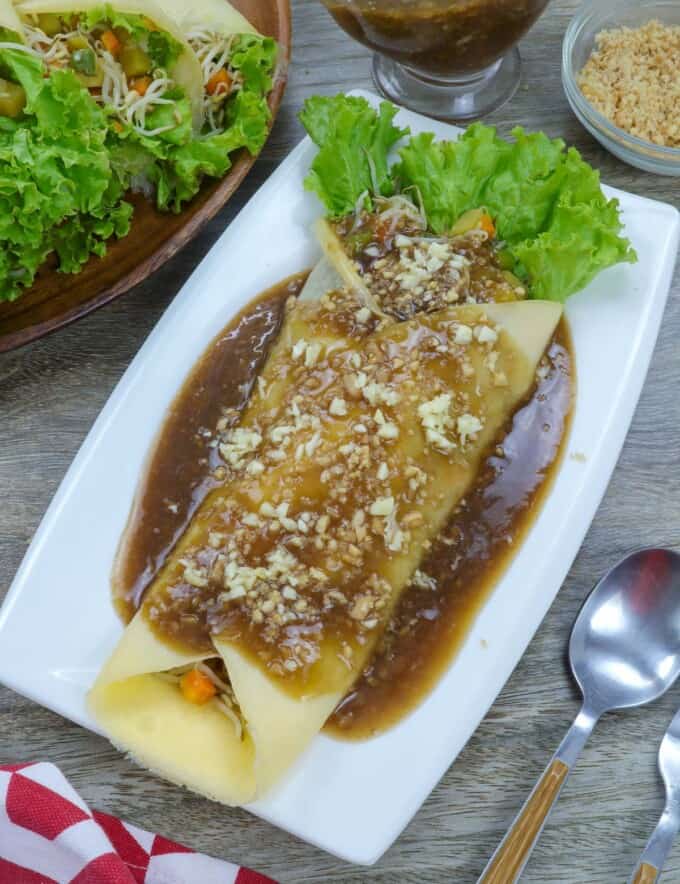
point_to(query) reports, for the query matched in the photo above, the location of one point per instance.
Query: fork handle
(645, 874)
(660, 842)
(512, 854)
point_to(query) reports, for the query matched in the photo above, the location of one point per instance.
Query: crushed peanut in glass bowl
(621, 76)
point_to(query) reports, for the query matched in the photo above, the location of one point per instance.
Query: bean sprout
(225, 700)
(214, 51)
(130, 107)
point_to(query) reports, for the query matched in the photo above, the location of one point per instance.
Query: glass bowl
(579, 41)
(449, 59)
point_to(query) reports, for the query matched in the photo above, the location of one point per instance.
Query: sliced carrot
(218, 79)
(111, 43)
(474, 219)
(196, 687)
(140, 84)
(486, 224)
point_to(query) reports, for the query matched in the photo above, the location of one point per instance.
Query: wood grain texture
(515, 848)
(55, 300)
(50, 393)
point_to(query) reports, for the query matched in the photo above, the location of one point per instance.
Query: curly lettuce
(162, 47)
(173, 163)
(54, 170)
(255, 57)
(354, 142)
(557, 227)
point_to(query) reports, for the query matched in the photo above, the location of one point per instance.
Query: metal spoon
(654, 855)
(624, 651)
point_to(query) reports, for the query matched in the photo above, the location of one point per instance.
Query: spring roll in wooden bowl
(156, 179)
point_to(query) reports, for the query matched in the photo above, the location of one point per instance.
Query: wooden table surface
(51, 392)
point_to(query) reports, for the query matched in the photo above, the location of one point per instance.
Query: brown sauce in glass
(443, 38)
(431, 622)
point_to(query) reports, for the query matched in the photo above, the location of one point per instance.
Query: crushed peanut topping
(632, 79)
(329, 474)
(409, 271)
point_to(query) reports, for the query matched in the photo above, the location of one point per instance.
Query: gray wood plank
(51, 391)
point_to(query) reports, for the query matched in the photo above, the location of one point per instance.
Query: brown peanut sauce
(443, 38)
(431, 621)
(180, 471)
(374, 247)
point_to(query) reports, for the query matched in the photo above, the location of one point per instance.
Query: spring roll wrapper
(211, 15)
(186, 72)
(9, 18)
(197, 746)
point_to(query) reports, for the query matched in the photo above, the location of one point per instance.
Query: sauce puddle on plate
(458, 573)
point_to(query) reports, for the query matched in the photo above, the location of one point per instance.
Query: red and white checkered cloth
(48, 835)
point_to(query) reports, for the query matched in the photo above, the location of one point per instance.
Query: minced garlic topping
(408, 271)
(328, 476)
(420, 271)
(238, 444)
(436, 420)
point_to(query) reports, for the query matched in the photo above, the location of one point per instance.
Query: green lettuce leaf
(581, 239)
(517, 182)
(54, 168)
(354, 141)
(175, 170)
(177, 116)
(558, 227)
(162, 47)
(247, 127)
(81, 236)
(526, 181)
(255, 57)
(448, 177)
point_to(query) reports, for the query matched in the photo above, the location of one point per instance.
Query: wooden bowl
(56, 299)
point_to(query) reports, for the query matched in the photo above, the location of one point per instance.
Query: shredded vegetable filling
(219, 78)
(188, 680)
(130, 95)
(19, 47)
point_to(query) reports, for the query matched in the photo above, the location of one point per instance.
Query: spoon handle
(656, 850)
(511, 855)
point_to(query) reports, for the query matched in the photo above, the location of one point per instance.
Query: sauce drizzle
(181, 469)
(434, 616)
(459, 571)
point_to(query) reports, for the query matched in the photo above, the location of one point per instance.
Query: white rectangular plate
(352, 799)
